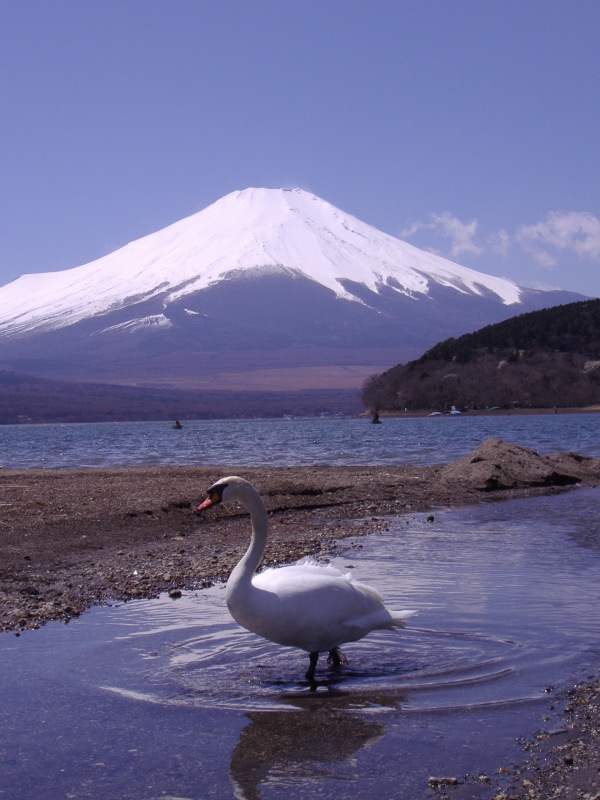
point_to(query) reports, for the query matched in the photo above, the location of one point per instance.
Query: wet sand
(70, 539)
(565, 761)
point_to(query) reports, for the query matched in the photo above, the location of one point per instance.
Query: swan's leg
(310, 673)
(336, 658)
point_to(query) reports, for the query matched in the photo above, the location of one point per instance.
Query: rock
(437, 783)
(174, 594)
(495, 464)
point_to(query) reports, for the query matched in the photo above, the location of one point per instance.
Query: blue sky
(471, 128)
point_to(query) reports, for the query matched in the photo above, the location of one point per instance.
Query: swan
(306, 605)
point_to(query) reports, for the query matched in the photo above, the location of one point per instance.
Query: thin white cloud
(459, 234)
(562, 231)
(414, 227)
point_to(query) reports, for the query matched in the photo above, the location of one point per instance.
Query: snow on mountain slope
(271, 229)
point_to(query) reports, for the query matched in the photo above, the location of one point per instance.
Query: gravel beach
(70, 539)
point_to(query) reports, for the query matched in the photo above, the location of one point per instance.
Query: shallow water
(282, 442)
(171, 699)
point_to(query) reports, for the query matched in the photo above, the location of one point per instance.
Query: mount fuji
(266, 288)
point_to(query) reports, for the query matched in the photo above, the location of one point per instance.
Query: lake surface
(282, 442)
(170, 699)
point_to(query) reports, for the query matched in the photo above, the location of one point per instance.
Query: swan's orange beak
(215, 495)
(210, 501)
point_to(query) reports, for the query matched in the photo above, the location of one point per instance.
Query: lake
(282, 442)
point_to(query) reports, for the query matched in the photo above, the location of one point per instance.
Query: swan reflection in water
(299, 744)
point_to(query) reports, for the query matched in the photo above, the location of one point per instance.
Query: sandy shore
(70, 539)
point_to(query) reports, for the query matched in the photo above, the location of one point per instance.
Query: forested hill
(573, 328)
(540, 359)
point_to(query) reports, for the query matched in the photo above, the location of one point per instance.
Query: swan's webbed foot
(336, 658)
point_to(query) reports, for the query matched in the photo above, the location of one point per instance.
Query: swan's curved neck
(249, 563)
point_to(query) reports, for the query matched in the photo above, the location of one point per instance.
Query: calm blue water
(429, 440)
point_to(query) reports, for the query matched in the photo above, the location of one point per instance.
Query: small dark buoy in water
(178, 426)
(375, 418)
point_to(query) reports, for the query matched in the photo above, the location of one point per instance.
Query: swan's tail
(399, 618)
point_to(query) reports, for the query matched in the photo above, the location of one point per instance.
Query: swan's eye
(216, 492)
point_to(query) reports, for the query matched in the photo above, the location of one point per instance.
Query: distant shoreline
(484, 412)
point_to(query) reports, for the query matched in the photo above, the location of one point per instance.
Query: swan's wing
(322, 591)
(308, 576)
(311, 563)
(313, 607)
(307, 560)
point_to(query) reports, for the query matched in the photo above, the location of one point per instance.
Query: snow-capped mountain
(268, 229)
(263, 279)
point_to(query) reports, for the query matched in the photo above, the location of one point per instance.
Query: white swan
(305, 605)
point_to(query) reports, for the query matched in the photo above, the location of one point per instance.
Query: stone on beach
(495, 465)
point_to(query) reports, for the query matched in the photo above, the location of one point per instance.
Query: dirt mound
(495, 464)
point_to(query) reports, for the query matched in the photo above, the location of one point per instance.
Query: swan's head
(223, 490)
